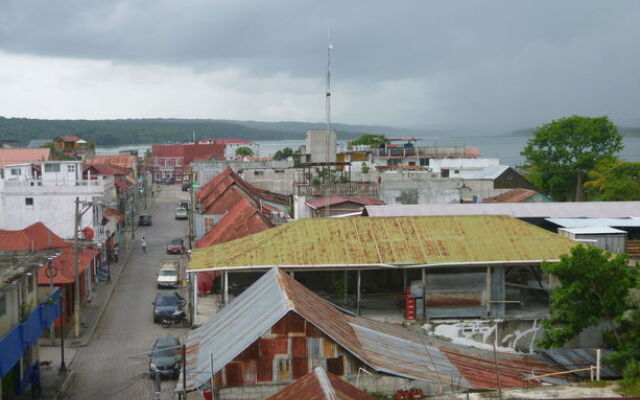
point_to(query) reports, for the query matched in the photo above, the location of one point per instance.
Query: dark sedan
(144, 220)
(165, 304)
(176, 246)
(165, 358)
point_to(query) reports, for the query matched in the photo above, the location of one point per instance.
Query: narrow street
(105, 369)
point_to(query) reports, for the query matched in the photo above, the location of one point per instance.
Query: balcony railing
(426, 152)
(98, 181)
(349, 189)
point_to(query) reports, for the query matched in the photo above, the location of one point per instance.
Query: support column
(225, 294)
(488, 292)
(424, 294)
(358, 294)
(346, 285)
(194, 303)
(404, 281)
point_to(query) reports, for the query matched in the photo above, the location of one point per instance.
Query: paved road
(104, 369)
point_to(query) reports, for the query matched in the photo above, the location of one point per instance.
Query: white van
(168, 275)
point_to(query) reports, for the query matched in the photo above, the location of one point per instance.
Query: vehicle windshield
(167, 301)
(176, 241)
(180, 209)
(168, 272)
(165, 348)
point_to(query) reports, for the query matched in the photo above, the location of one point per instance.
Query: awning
(63, 265)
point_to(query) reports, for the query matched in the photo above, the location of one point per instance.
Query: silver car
(181, 213)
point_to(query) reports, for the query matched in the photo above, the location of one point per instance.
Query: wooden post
(194, 303)
(424, 294)
(358, 294)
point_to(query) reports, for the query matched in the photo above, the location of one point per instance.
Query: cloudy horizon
(416, 64)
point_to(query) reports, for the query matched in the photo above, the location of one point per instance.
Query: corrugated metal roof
(242, 220)
(378, 242)
(594, 209)
(321, 385)
(22, 156)
(593, 231)
(595, 222)
(491, 172)
(334, 200)
(385, 348)
(512, 196)
(582, 358)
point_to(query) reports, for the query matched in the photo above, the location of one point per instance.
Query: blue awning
(25, 334)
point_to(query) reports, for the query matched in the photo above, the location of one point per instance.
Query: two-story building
(26, 311)
(172, 161)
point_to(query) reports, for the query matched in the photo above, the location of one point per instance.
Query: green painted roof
(387, 240)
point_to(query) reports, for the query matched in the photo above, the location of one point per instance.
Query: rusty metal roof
(386, 242)
(592, 209)
(382, 347)
(321, 385)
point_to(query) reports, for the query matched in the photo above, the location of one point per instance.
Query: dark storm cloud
(519, 61)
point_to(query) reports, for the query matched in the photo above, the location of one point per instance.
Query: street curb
(63, 388)
(114, 283)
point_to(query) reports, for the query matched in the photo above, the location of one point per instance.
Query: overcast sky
(431, 64)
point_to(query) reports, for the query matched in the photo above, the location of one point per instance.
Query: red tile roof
(335, 200)
(512, 196)
(321, 385)
(243, 219)
(33, 237)
(21, 156)
(106, 169)
(189, 152)
(64, 266)
(223, 191)
(121, 160)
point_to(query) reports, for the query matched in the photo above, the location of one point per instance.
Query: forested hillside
(141, 131)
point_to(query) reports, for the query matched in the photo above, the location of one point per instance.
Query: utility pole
(191, 209)
(76, 289)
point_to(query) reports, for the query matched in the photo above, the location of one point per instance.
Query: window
(15, 171)
(424, 162)
(444, 173)
(258, 173)
(510, 177)
(28, 201)
(393, 161)
(412, 163)
(178, 162)
(30, 282)
(167, 163)
(52, 168)
(456, 171)
(71, 168)
(279, 171)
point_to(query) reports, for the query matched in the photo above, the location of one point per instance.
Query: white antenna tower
(328, 92)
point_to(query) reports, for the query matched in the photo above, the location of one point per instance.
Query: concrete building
(26, 311)
(270, 175)
(22, 156)
(418, 187)
(320, 146)
(460, 167)
(172, 161)
(46, 192)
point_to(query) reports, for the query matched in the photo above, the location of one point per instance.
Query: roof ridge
(325, 383)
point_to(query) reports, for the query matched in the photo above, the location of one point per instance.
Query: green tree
(244, 152)
(614, 179)
(563, 151)
(594, 286)
(283, 154)
(370, 140)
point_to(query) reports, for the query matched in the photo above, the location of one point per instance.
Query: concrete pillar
(488, 292)
(225, 294)
(194, 301)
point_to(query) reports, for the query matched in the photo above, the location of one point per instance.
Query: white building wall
(230, 149)
(26, 200)
(321, 145)
(461, 167)
(418, 188)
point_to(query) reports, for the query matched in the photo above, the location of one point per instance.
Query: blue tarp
(24, 335)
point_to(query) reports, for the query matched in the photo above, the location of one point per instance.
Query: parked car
(181, 213)
(165, 304)
(186, 186)
(168, 274)
(165, 358)
(176, 246)
(185, 204)
(144, 220)
(167, 181)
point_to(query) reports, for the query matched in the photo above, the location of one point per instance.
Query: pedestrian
(116, 252)
(144, 245)
(34, 379)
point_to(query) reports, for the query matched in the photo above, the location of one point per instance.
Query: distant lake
(506, 148)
